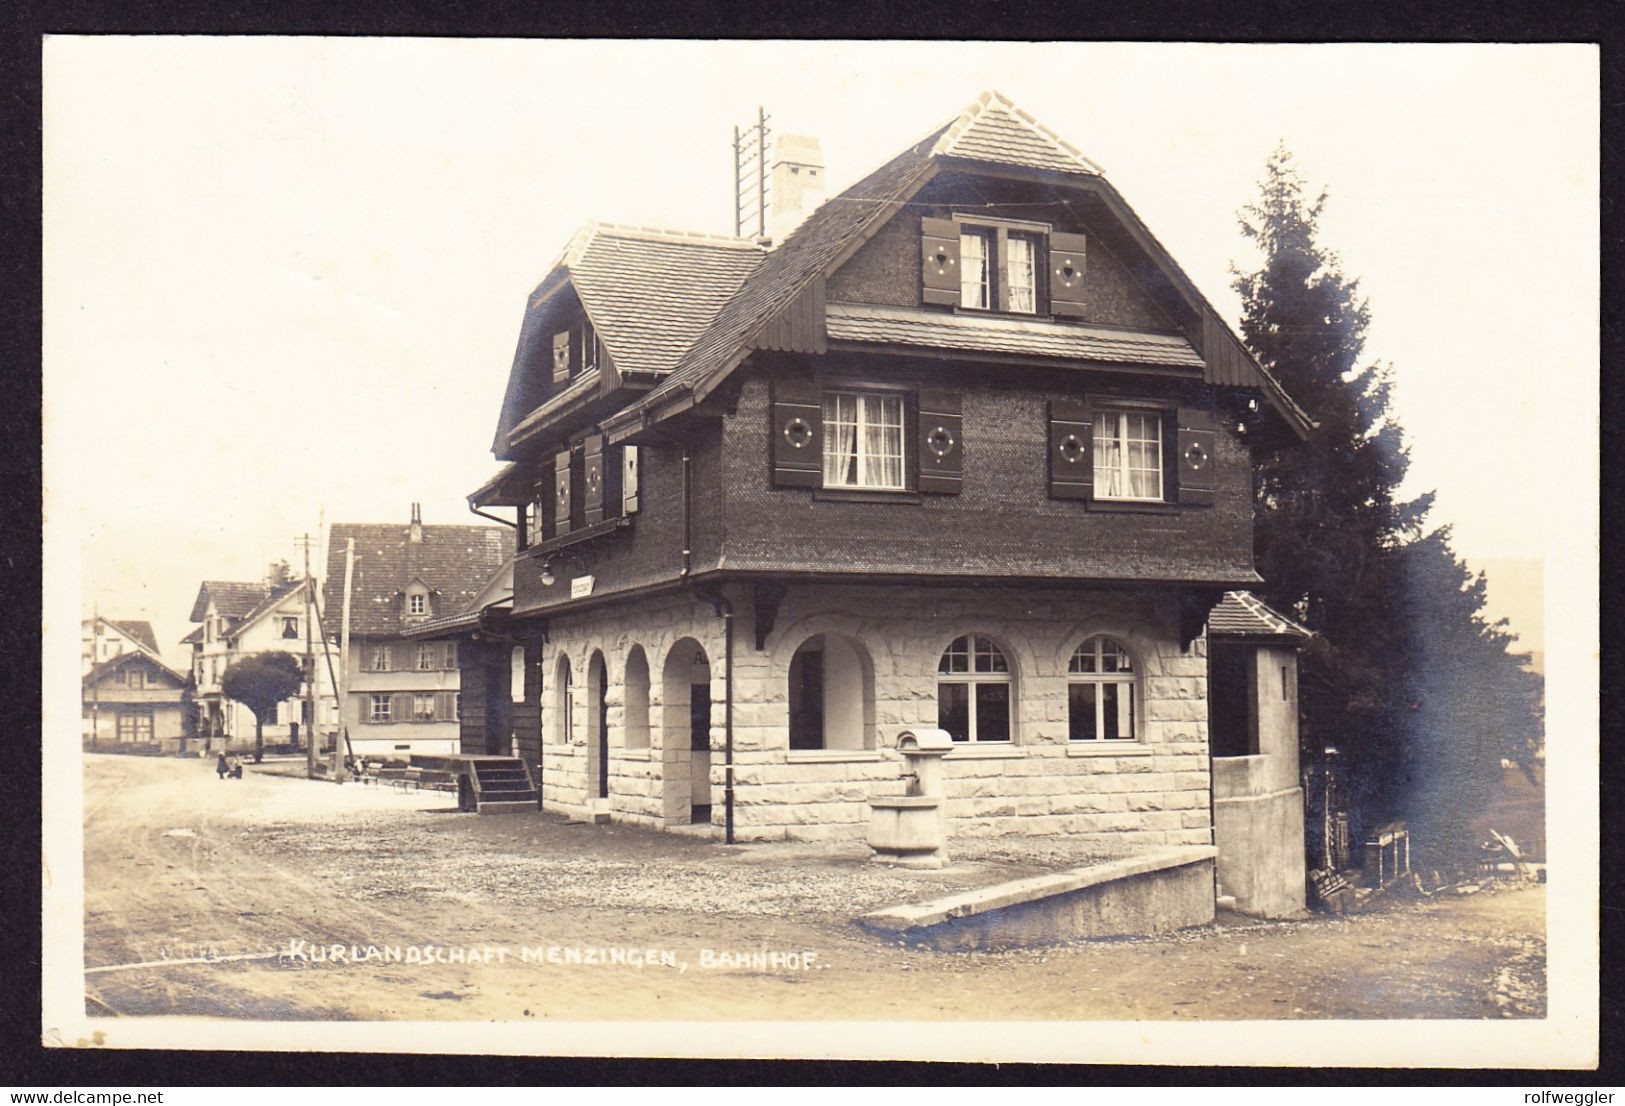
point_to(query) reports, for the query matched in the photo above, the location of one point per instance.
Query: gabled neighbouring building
(402, 694)
(132, 703)
(967, 450)
(236, 619)
(102, 639)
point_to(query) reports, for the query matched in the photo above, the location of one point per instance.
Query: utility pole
(309, 718)
(344, 655)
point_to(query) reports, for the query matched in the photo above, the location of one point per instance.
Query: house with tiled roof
(235, 619)
(402, 694)
(102, 639)
(961, 448)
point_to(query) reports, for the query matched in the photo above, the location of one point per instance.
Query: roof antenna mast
(750, 144)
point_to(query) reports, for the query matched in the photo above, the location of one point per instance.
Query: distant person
(220, 767)
(236, 768)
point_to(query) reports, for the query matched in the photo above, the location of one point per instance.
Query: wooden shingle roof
(454, 562)
(994, 130)
(998, 334)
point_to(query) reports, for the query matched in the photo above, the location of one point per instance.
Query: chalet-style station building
(964, 449)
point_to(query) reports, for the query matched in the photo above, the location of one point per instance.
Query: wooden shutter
(400, 707)
(451, 656)
(592, 480)
(941, 445)
(561, 357)
(939, 261)
(630, 461)
(561, 493)
(1071, 450)
(1067, 257)
(442, 707)
(798, 432)
(1197, 470)
(545, 507)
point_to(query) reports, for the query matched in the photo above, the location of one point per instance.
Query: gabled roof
(650, 294)
(194, 637)
(266, 604)
(822, 237)
(138, 632)
(992, 129)
(456, 561)
(1243, 614)
(114, 664)
(232, 598)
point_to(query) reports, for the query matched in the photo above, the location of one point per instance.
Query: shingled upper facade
(966, 449)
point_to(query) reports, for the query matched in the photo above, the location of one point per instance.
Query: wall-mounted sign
(581, 586)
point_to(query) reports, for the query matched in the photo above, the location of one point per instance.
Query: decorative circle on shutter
(1071, 448)
(1195, 455)
(939, 441)
(944, 262)
(1068, 273)
(564, 493)
(798, 432)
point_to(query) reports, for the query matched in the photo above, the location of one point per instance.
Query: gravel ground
(544, 860)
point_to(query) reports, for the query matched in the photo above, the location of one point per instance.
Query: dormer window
(978, 264)
(417, 604)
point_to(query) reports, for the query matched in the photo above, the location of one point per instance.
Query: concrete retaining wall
(1155, 892)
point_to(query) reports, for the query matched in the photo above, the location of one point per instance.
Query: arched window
(973, 690)
(1100, 692)
(831, 695)
(566, 704)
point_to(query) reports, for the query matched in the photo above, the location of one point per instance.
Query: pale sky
(285, 276)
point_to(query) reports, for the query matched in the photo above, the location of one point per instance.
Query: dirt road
(438, 916)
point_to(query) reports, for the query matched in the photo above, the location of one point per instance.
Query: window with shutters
(379, 659)
(974, 690)
(1128, 455)
(379, 709)
(979, 264)
(423, 707)
(1101, 692)
(863, 440)
(425, 657)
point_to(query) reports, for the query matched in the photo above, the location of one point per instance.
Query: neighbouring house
(236, 619)
(132, 703)
(964, 449)
(402, 693)
(102, 639)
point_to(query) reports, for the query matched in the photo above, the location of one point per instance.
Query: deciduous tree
(260, 681)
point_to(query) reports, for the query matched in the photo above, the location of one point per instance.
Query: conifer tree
(1326, 516)
(1401, 651)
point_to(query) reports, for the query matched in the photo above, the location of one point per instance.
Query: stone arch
(830, 693)
(564, 700)
(635, 699)
(597, 725)
(685, 732)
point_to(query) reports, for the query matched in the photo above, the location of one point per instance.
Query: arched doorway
(598, 725)
(685, 733)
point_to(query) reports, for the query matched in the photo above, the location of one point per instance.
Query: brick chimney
(798, 183)
(415, 533)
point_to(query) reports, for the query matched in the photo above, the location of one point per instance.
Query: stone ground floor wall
(1151, 791)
